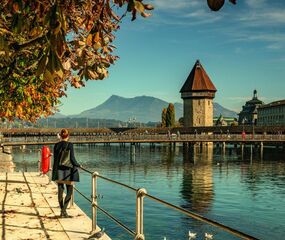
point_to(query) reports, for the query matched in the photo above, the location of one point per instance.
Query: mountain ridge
(140, 108)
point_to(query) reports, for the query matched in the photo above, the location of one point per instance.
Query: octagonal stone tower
(198, 93)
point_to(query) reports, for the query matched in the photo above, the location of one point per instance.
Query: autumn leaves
(45, 45)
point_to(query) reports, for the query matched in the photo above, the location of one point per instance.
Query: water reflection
(197, 180)
(235, 186)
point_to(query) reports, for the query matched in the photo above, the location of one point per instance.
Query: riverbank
(30, 210)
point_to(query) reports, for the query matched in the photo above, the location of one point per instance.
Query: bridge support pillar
(224, 148)
(152, 145)
(251, 153)
(132, 152)
(242, 150)
(261, 150)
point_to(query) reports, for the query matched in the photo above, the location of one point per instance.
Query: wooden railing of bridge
(147, 138)
(17, 132)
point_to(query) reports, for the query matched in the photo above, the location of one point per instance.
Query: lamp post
(242, 121)
(243, 132)
(253, 123)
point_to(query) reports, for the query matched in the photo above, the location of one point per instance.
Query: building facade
(248, 114)
(272, 114)
(198, 93)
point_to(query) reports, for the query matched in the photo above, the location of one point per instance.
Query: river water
(243, 190)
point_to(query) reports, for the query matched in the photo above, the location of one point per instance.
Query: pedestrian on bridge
(64, 175)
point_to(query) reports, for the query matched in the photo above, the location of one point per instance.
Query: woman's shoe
(65, 215)
(62, 214)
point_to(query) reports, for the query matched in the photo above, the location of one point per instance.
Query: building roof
(274, 104)
(254, 100)
(249, 110)
(198, 80)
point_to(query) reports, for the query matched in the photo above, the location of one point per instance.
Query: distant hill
(142, 108)
(58, 115)
(219, 109)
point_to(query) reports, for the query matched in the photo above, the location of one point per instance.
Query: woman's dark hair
(64, 133)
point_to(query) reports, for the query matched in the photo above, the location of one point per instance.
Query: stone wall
(198, 112)
(6, 160)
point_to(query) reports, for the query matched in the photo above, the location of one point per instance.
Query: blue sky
(242, 48)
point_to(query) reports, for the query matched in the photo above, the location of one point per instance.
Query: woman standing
(64, 175)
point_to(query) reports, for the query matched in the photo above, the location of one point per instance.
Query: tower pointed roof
(198, 80)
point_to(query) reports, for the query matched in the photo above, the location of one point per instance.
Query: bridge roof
(198, 80)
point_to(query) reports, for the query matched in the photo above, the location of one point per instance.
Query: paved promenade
(30, 210)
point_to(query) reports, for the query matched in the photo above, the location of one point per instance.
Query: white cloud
(275, 46)
(202, 13)
(255, 3)
(198, 13)
(257, 20)
(276, 16)
(239, 98)
(263, 17)
(263, 21)
(245, 98)
(274, 41)
(175, 5)
(201, 16)
(193, 18)
(273, 99)
(268, 37)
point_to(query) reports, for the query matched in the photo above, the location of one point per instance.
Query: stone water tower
(198, 93)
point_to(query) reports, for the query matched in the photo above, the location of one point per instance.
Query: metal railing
(94, 204)
(141, 193)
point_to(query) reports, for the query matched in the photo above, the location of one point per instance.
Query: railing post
(39, 161)
(139, 214)
(94, 200)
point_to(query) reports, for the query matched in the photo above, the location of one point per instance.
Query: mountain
(58, 115)
(141, 109)
(220, 110)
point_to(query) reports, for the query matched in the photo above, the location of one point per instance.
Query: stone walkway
(30, 210)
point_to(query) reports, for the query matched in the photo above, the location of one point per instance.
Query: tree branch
(24, 45)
